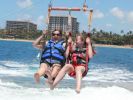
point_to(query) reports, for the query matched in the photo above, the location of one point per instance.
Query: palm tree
(94, 30)
(122, 31)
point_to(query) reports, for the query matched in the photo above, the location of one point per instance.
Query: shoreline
(95, 45)
(114, 46)
(21, 40)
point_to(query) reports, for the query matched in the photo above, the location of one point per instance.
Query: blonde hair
(82, 39)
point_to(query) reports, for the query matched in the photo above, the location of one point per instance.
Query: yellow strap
(90, 18)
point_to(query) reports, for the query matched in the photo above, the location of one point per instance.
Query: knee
(68, 66)
(43, 65)
(80, 69)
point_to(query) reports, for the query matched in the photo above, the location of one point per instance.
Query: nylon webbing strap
(87, 57)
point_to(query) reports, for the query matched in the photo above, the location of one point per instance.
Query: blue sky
(109, 15)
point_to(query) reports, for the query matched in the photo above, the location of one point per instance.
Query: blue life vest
(54, 52)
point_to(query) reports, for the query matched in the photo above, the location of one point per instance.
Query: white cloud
(108, 25)
(24, 3)
(117, 12)
(25, 17)
(40, 20)
(98, 14)
(130, 16)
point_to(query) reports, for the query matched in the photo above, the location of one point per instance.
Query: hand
(44, 32)
(88, 40)
(69, 40)
(68, 34)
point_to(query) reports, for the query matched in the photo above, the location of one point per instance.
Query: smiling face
(56, 35)
(79, 41)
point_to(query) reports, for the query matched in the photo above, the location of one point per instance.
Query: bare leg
(48, 73)
(52, 73)
(40, 72)
(50, 79)
(55, 70)
(79, 72)
(61, 74)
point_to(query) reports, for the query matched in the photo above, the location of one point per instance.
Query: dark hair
(60, 31)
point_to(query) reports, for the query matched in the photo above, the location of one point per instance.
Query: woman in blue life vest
(53, 56)
(80, 54)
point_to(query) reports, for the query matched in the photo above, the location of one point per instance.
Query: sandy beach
(17, 40)
(113, 46)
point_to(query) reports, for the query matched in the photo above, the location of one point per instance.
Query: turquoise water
(111, 72)
(121, 58)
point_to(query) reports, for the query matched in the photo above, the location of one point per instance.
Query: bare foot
(37, 77)
(78, 91)
(50, 83)
(51, 87)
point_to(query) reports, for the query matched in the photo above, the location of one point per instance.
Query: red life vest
(75, 56)
(77, 59)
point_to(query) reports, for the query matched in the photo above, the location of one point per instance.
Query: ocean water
(110, 75)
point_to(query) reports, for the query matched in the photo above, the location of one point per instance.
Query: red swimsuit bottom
(73, 73)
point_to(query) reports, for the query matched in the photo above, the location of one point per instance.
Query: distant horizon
(109, 16)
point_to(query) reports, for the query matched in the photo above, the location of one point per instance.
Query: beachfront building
(16, 27)
(2, 31)
(64, 23)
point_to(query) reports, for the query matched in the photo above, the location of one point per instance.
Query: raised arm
(36, 43)
(69, 46)
(90, 50)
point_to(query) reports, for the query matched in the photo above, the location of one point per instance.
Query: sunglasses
(56, 34)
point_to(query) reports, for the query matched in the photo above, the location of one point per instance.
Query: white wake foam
(88, 93)
(109, 74)
(12, 91)
(8, 84)
(16, 69)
